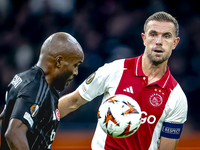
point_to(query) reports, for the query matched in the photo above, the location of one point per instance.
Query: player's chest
(152, 99)
(54, 112)
(49, 111)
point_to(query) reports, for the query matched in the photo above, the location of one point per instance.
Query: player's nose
(76, 71)
(159, 40)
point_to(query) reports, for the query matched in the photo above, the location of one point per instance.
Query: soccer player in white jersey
(146, 79)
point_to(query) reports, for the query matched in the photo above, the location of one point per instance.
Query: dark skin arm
(1, 117)
(16, 135)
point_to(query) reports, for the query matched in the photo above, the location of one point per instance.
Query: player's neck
(153, 72)
(46, 69)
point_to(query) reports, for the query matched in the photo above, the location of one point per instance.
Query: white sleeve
(96, 84)
(177, 106)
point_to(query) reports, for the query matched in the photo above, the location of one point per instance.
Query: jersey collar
(162, 82)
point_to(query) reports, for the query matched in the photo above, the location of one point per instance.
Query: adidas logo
(129, 90)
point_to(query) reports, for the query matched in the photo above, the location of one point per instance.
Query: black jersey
(30, 100)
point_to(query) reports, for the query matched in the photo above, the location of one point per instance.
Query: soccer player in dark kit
(31, 115)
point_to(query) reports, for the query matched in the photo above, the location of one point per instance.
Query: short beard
(59, 83)
(157, 61)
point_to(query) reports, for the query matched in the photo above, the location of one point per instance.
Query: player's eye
(152, 34)
(76, 65)
(167, 35)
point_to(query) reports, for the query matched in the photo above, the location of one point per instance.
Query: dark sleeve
(26, 111)
(26, 108)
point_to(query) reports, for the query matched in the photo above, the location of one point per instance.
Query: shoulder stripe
(41, 92)
(136, 71)
(46, 90)
(166, 81)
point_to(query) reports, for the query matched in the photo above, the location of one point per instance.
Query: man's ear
(143, 38)
(176, 41)
(58, 61)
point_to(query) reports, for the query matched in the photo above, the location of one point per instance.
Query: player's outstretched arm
(70, 102)
(168, 144)
(16, 135)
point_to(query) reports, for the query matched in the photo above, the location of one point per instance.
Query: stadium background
(107, 30)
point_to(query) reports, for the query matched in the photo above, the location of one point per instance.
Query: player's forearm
(168, 144)
(66, 105)
(69, 103)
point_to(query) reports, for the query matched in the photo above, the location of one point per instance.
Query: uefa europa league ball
(119, 116)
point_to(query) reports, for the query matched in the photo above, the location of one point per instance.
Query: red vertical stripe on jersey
(152, 100)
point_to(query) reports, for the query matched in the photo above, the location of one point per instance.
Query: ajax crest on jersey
(119, 116)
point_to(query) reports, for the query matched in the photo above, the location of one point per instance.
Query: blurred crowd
(107, 30)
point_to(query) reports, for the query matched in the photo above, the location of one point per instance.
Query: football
(119, 116)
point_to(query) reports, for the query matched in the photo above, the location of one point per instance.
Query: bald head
(59, 58)
(61, 43)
